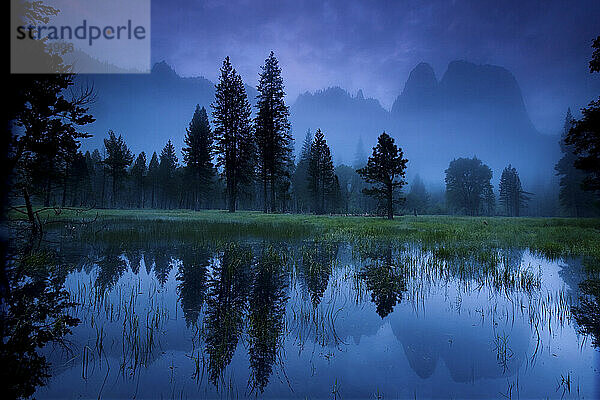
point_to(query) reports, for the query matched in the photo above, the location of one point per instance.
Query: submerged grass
(452, 235)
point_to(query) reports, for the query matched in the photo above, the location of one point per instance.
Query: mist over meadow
(471, 110)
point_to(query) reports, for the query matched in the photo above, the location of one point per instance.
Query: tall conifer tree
(234, 143)
(272, 129)
(321, 176)
(512, 196)
(118, 158)
(573, 199)
(197, 155)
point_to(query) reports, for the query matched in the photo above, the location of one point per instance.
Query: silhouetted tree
(595, 61)
(118, 158)
(321, 176)
(272, 130)
(512, 196)
(360, 155)
(166, 173)
(417, 198)
(572, 196)
(386, 170)
(584, 135)
(347, 178)
(233, 134)
(44, 133)
(467, 182)
(488, 200)
(197, 155)
(300, 178)
(153, 177)
(139, 172)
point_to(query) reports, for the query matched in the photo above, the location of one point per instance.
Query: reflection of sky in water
(451, 341)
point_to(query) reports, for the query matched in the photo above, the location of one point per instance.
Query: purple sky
(373, 45)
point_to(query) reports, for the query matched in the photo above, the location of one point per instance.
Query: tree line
(241, 161)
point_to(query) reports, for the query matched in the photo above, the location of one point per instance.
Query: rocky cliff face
(421, 91)
(473, 110)
(473, 92)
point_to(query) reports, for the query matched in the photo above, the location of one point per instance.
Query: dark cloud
(374, 44)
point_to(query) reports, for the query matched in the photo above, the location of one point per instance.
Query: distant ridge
(148, 109)
(473, 110)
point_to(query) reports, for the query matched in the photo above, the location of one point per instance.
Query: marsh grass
(446, 235)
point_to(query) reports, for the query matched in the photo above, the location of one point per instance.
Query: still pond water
(320, 320)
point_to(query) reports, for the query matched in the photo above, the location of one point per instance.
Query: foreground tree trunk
(30, 216)
(390, 202)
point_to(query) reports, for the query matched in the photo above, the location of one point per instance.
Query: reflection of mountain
(469, 350)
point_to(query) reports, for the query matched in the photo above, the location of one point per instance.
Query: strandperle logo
(85, 31)
(87, 36)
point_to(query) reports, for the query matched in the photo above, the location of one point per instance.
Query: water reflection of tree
(163, 263)
(587, 312)
(111, 266)
(192, 277)
(266, 316)
(225, 307)
(134, 256)
(384, 280)
(315, 268)
(33, 314)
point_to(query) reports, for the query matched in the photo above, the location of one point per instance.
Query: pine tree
(44, 133)
(118, 158)
(197, 155)
(417, 198)
(488, 199)
(321, 176)
(512, 196)
(234, 143)
(153, 177)
(386, 170)
(138, 173)
(360, 155)
(584, 135)
(572, 197)
(77, 181)
(272, 130)
(167, 169)
(97, 172)
(301, 192)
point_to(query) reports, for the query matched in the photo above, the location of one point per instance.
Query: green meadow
(461, 235)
